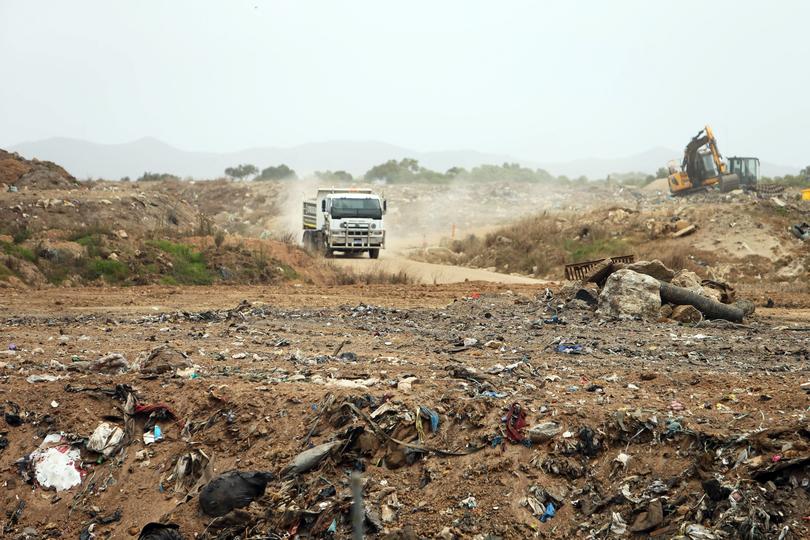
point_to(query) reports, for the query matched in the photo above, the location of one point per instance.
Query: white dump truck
(345, 220)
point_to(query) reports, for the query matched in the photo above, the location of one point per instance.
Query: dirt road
(395, 261)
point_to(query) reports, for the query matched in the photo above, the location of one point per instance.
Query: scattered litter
(56, 463)
(232, 489)
(567, 348)
(801, 231)
(310, 458)
(105, 439)
(543, 432)
(160, 531)
(549, 513)
(42, 378)
(153, 436)
(515, 421)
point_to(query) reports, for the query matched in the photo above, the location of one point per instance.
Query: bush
(188, 265)
(19, 252)
(282, 172)
(219, 238)
(111, 271)
(155, 177)
(21, 235)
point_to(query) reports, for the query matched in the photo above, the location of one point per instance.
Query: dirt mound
(34, 174)
(734, 236)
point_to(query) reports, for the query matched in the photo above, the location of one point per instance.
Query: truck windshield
(360, 208)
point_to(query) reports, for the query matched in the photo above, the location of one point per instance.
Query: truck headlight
(344, 225)
(373, 225)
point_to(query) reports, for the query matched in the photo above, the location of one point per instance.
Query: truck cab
(345, 220)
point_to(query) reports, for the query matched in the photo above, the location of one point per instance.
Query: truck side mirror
(385, 205)
(323, 205)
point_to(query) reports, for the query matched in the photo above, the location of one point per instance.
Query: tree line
(407, 170)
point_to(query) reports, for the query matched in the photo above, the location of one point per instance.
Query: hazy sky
(545, 81)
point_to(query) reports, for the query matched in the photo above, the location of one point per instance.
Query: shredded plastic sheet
(56, 464)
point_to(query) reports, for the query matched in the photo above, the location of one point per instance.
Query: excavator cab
(706, 167)
(747, 169)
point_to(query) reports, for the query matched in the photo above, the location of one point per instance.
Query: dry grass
(341, 275)
(542, 245)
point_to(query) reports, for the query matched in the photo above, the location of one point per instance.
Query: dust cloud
(422, 214)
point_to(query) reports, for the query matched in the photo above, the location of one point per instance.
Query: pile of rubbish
(651, 291)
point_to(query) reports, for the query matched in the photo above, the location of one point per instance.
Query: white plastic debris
(105, 439)
(54, 404)
(699, 532)
(56, 463)
(153, 436)
(469, 502)
(618, 526)
(406, 384)
(623, 458)
(42, 378)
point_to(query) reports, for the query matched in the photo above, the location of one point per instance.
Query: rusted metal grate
(579, 271)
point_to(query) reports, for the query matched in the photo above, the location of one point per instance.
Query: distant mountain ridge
(112, 161)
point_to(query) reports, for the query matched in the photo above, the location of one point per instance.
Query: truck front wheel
(373, 253)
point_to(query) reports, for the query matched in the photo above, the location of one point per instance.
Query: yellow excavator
(703, 167)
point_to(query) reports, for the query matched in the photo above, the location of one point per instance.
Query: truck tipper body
(345, 220)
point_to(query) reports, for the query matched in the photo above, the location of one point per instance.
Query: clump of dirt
(27, 174)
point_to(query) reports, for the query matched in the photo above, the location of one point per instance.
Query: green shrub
(21, 235)
(19, 252)
(108, 269)
(595, 249)
(188, 265)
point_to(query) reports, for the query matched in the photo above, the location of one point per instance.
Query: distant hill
(112, 161)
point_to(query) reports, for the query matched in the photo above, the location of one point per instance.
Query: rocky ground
(631, 428)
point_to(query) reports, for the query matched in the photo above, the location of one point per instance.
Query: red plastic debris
(515, 422)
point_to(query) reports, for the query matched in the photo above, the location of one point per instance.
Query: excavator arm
(691, 157)
(718, 159)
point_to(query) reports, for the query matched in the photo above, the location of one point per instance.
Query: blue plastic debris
(496, 441)
(333, 527)
(158, 433)
(569, 348)
(433, 416)
(493, 394)
(548, 514)
(673, 426)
